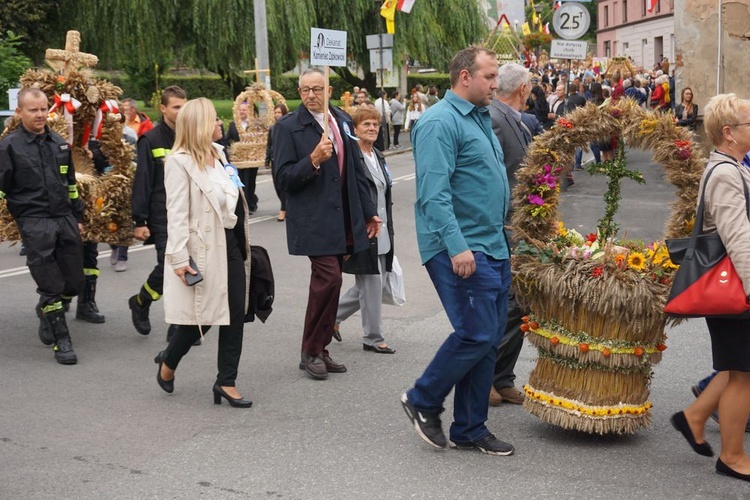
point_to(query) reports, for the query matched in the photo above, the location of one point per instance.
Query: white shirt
(226, 193)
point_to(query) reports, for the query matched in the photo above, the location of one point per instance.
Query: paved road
(103, 429)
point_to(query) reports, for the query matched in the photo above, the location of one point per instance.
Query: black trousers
(90, 256)
(155, 282)
(248, 177)
(53, 255)
(230, 336)
(510, 346)
(396, 132)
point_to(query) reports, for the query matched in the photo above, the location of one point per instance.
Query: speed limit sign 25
(571, 21)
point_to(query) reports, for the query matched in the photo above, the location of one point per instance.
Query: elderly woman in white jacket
(207, 223)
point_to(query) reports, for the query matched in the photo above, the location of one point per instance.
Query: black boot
(139, 308)
(87, 310)
(64, 353)
(45, 334)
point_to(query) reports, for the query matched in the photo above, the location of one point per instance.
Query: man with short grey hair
(513, 88)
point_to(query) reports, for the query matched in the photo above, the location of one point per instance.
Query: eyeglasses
(741, 124)
(315, 90)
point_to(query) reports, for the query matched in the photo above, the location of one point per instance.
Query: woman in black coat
(370, 266)
(540, 107)
(686, 112)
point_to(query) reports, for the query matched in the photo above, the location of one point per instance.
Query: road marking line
(18, 271)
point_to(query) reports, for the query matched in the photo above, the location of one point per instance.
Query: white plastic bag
(393, 287)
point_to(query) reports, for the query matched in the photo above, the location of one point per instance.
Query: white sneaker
(113, 257)
(121, 266)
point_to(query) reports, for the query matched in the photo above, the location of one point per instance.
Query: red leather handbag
(706, 284)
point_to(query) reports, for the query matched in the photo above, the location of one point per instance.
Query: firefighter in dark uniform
(37, 178)
(150, 202)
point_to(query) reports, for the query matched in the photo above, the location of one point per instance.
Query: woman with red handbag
(727, 124)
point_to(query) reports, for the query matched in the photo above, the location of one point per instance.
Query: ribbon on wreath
(69, 106)
(106, 107)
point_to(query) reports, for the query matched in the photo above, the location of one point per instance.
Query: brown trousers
(322, 304)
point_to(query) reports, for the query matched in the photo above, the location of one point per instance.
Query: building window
(607, 49)
(624, 11)
(606, 16)
(614, 14)
(658, 6)
(625, 47)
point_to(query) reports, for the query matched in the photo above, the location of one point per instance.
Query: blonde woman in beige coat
(207, 223)
(727, 124)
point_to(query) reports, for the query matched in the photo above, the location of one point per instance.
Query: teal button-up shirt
(462, 186)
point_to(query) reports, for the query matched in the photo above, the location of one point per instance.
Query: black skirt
(730, 343)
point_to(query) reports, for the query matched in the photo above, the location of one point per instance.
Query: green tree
(14, 64)
(219, 35)
(37, 22)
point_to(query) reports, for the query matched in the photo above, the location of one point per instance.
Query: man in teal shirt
(462, 200)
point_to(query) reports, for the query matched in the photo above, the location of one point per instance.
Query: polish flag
(558, 4)
(546, 29)
(405, 5)
(652, 5)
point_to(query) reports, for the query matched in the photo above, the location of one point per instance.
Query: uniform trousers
(230, 336)
(53, 255)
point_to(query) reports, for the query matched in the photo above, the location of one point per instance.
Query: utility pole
(261, 40)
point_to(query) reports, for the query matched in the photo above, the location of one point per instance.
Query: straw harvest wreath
(596, 302)
(250, 151)
(84, 107)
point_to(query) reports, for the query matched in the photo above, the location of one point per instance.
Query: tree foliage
(34, 21)
(219, 35)
(13, 64)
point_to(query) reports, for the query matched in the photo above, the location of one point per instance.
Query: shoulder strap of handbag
(698, 226)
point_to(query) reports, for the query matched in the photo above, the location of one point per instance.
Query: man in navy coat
(329, 211)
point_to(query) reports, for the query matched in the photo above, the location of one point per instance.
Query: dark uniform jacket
(323, 217)
(37, 175)
(149, 196)
(367, 262)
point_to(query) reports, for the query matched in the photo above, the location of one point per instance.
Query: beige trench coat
(194, 229)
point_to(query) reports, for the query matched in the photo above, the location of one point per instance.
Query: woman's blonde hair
(194, 130)
(722, 110)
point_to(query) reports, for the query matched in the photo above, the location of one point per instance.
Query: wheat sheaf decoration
(596, 303)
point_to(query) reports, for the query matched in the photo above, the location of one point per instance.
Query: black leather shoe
(724, 470)
(332, 366)
(375, 348)
(680, 423)
(314, 366)
(139, 315)
(236, 403)
(166, 385)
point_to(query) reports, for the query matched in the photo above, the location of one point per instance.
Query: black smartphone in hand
(193, 279)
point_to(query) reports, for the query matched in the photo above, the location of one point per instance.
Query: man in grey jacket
(513, 89)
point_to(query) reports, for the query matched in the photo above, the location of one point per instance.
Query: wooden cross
(257, 71)
(71, 56)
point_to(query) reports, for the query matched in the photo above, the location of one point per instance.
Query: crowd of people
(335, 189)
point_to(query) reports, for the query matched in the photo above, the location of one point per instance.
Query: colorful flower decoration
(565, 123)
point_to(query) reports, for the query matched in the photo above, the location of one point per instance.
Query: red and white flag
(546, 29)
(652, 5)
(405, 5)
(558, 4)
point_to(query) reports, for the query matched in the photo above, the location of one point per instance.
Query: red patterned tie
(339, 143)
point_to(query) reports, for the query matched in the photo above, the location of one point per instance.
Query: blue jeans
(477, 308)
(579, 157)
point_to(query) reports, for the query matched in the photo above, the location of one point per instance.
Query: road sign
(327, 47)
(571, 21)
(375, 58)
(373, 41)
(568, 49)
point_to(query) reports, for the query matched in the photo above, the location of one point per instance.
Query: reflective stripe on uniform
(160, 152)
(52, 307)
(73, 192)
(90, 272)
(64, 169)
(2, 195)
(154, 296)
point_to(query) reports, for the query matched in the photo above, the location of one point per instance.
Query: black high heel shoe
(236, 403)
(680, 423)
(166, 385)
